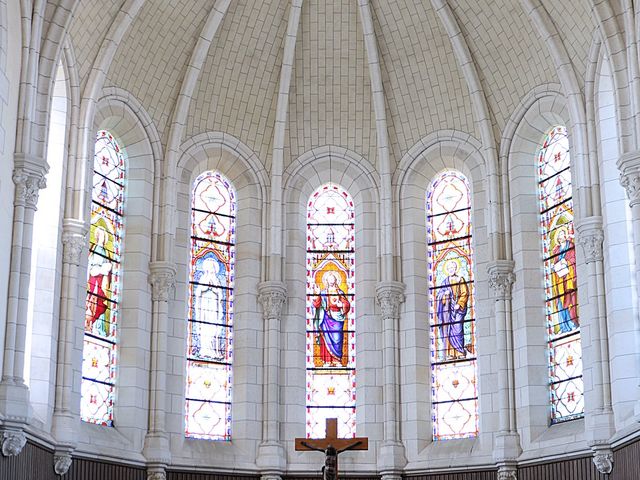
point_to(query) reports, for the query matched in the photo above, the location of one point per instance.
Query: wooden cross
(331, 445)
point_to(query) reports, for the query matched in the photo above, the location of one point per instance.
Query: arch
(539, 112)
(222, 153)
(441, 151)
(313, 169)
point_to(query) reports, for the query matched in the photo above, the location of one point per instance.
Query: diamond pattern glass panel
(560, 281)
(103, 282)
(454, 393)
(210, 314)
(330, 344)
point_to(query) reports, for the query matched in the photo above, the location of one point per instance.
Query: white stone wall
(619, 256)
(10, 55)
(46, 260)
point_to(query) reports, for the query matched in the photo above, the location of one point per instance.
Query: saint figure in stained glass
(103, 281)
(454, 395)
(332, 307)
(210, 314)
(330, 349)
(452, 299)
(560, 280)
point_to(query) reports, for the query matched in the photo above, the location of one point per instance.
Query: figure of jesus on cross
(331, 445)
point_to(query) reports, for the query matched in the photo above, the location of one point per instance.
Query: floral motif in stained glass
(454, 392)
(330, 311)
(210, 314)
(103, 282)
(560, 281)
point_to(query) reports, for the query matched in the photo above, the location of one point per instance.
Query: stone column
(629, 166)
(507, 441)
(156, 443)
(271, 454)
(391, 457)
(69, 364)
(28, 177)
(598, 410)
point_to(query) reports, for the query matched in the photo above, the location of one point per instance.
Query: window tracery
(210, 309)
(103, 281)
(330, 335)
(560, 280)
(454, 392)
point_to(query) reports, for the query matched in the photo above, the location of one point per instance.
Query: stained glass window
(560, 282)
(454, 392)
(103, 281)
(210, 314)
(330, 343)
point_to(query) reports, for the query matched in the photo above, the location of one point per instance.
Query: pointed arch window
(103, 281)
(454, 392)
(560, 280)
(330, 334)
(210, 314)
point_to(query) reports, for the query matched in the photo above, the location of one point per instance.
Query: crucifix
(331, 446)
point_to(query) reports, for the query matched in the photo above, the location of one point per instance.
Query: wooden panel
(626, 462)
(480, 475)
(575, 469)
(34, 462)
(84, 469)
(182, 475)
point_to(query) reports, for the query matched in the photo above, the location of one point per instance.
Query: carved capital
(501, 278)
(629, 166)
(163, 281)
(72, 246)
(13, 441)
(603, 460)
(590, 237)
(272, 297)
(390, 295)
(28, 185)
(62, 463)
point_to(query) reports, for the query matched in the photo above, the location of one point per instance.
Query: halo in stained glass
(103, 282)
(454, 393)
(330, 311)
(560, 279)
(210, 310)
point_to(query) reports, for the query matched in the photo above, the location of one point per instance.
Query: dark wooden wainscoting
(481, 475)
(36, 463)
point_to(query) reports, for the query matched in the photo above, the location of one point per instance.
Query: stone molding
(13, 441)
(272, 297)
(163, 280)
(62, 463)
(390, 295)
(591, 237)
(629, 166)
(501, 278)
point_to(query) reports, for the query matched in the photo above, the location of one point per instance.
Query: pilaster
(271, 458)
(66, 413)
(391, 455)
(506, 449)
(156, 448)
(29, 177)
